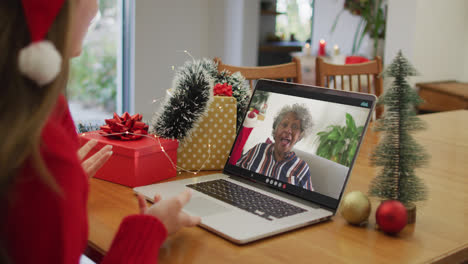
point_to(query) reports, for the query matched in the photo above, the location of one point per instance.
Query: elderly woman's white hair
(301, 112)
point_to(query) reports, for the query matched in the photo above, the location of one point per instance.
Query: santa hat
(40, 61)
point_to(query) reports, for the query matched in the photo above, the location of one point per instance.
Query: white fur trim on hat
(40, 62)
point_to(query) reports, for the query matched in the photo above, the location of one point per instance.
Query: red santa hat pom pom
(40, 61)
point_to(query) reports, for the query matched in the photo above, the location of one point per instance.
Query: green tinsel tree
(398, 153)
(240, 89)
(192, 93)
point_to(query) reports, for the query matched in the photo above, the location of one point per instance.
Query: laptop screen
(300, 139)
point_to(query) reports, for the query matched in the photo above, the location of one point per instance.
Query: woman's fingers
(99, 163)
(95, 162)
(142, 204)
(184, 218)
(84, 150)
(178, 202)
(157, 198)
(184, 197)
(189, 220)
(170, 213)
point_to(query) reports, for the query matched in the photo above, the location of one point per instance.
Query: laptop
(284, 170)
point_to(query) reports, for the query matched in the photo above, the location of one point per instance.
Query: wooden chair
(286, 72)
(367, 75)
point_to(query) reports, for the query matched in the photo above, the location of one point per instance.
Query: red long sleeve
(42, 226)
(137, 241)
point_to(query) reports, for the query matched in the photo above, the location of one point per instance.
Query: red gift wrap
(135, 162)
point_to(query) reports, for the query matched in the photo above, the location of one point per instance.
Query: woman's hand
(169, 211)
(95, 162)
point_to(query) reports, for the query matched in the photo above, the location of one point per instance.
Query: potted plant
(339, 143)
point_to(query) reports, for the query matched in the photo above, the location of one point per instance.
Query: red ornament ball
(391, 216)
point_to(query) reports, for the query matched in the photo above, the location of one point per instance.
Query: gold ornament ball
(355, 207)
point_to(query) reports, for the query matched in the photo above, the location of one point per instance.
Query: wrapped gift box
(137, 162)
(210, 143)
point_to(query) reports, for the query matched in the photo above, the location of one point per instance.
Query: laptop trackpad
(201, 206)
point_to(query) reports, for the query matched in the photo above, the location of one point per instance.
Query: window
(296, 22)
(98, 83)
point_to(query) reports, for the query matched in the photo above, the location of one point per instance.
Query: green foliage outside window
(105, 5)
(296, 20)
(93, 75)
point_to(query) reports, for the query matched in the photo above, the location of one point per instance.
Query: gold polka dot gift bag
(211, 141)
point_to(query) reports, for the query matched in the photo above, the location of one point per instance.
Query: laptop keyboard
(246, 199)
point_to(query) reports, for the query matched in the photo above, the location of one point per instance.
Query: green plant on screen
(339, 143)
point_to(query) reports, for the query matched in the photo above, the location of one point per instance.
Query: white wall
(251, 35)
(401, 29)
(440, 39)
(239, 37)
(205, 28)
(432, 34)
(163, 29)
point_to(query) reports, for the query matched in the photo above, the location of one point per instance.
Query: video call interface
(300, 143)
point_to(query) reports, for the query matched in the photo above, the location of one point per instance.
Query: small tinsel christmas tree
(240, 90)
(192, 92)
(191, 95)
(398, 153)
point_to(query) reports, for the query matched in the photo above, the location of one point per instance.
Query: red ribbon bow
(222, 89)
(127, 127)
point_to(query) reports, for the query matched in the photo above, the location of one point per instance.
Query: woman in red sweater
(43, 181)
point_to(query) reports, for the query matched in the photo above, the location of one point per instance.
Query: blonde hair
(25, 107)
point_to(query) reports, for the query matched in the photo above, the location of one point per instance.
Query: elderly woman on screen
(277, 160)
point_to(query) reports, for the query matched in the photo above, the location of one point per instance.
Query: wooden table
(443, 96)
(439, 235)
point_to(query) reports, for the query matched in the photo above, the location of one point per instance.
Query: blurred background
(129, 57)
